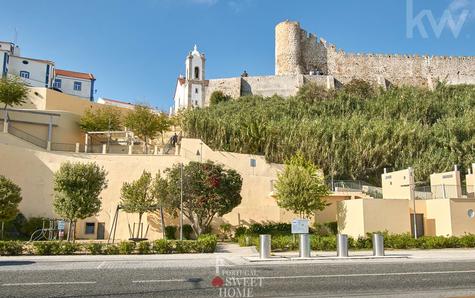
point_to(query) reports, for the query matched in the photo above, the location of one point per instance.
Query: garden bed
(395, 241)
(204, 244)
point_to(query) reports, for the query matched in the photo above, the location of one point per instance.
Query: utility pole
(181, 201)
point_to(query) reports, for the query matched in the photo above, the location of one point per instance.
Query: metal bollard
(264, 246)
(304, 246)
(378, 245)
(342, 245)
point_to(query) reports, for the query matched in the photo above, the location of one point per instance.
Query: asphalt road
(182, 277)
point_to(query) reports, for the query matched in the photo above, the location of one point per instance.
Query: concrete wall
(396, 185)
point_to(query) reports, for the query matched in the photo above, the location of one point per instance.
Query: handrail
(34, 112)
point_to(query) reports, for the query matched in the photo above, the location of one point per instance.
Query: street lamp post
(181, 201)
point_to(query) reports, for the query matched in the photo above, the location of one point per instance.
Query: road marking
(48, 283)
(159, 280)
(101, 265)
(365, 274)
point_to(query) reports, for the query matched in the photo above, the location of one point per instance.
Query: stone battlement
(300, 52)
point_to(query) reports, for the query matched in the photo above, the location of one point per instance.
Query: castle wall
(270, 85)
(300, 52)
(230, 86)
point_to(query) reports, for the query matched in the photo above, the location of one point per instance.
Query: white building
(34, 72)
(75, 83)
(42, 73)
(190, 89)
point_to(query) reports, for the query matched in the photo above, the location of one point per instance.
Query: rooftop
(74, 74)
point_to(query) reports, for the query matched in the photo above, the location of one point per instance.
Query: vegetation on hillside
(354, 132)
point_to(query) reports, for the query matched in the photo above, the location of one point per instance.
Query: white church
(190, 89)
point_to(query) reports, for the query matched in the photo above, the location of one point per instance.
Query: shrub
(218, 97)
(11, 248)
(94, 248)
(184, 246)
(467, 240)
(324, 243)
(111, 249)
(162, 246)
(144, 247)
(170, 232)
(126, 247)
(187, 230)
(225, 230)
(45, 248)
(206, 243)
(67, 248)
(240, 231)
(360, 88)
(326, 229)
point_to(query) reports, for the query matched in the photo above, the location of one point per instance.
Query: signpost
(300, 226)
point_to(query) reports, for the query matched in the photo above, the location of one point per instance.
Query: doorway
(419, 223)
(101, 229)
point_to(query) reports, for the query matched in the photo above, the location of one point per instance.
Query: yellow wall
(396, 185)
(33, 170)
(446, 185)
(361, 216)
(461, 222)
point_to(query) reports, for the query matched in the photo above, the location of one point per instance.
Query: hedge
(391, 241)
(204, 244)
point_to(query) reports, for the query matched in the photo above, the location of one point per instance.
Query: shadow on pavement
(15, 263)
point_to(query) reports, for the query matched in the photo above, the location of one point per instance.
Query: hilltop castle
(301, 57)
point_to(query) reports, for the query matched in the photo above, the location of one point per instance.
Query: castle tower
(288, 48)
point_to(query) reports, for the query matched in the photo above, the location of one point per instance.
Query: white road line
(49, 283)
(159, 280)
(101, 265)
(365, 274)
(321, 276)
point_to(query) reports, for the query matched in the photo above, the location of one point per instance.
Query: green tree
(301, 187)
(164, 123)
(13, 91)
(77, 189)
(10, 197)
(217, 97)
(144, 122)
(160, 193)
(208, 190)
(103, 119)
(138, 197)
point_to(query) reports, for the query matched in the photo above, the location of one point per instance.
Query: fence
(355, 186)
(433, 192)
(27, 137)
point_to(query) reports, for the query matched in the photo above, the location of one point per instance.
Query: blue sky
(136, 49)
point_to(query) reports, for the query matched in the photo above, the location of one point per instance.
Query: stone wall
(230, 86)
(298, 52)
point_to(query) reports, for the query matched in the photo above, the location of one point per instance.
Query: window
(90, 226)
(25, 62)
(197, 73)
(57, 83)
(196, 90)
(77, 86)
(24, 74)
